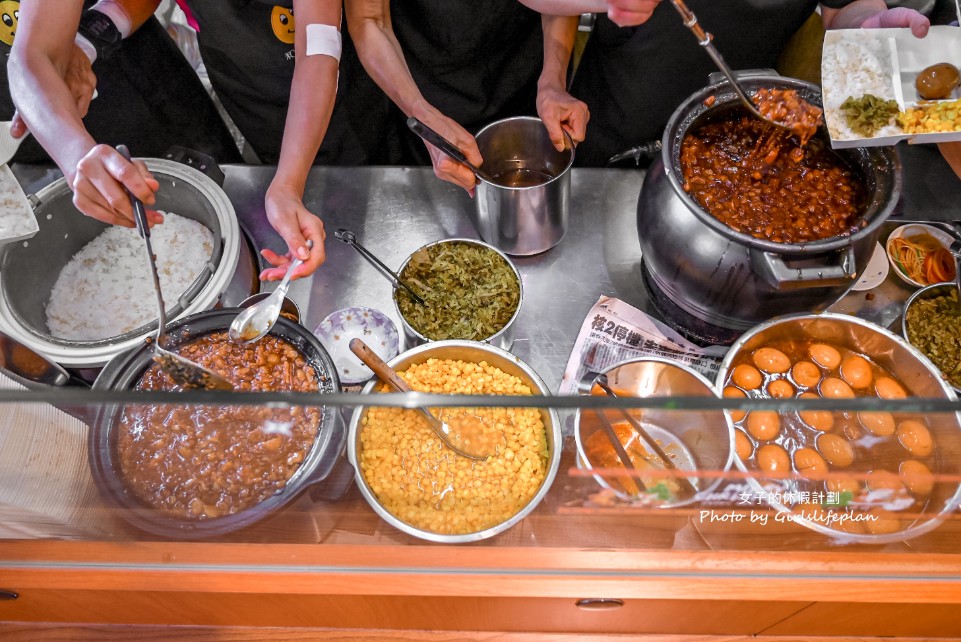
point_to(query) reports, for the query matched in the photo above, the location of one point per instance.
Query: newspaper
(614, 331)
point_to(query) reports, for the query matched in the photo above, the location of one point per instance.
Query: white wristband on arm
(323, 40)
(116, 12)
(86, 47)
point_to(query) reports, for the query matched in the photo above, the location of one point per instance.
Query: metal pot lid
(53, 206)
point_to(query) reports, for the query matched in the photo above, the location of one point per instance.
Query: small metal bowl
(700, 440)
(927, 292)
(503, 338)
(472, 351)
(288, 309)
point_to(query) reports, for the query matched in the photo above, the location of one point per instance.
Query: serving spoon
(467, 435)
(257, 320)
(184, 372)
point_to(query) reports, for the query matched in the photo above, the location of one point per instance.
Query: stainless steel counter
(394, 211)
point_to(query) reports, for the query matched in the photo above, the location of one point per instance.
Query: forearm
(36, 68)
(382, 56)
(559, 35)
(312, 96)
(851, 16)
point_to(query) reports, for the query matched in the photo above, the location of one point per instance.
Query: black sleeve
(836, 4)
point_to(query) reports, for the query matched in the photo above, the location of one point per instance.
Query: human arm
(625, 13)
(312, 94)
(382, 57)
(556, 107)
(40, 59)
(874, 14)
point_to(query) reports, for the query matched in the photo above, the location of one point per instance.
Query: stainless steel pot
(123, 373)
(504, 338)
(703, 271)
(29, 270)
(526, 216)
(470, 351)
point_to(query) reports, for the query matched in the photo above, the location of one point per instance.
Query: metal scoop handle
(445, 146)
(350, 238)
(705, 39)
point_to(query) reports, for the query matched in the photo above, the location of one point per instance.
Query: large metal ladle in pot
(184, 372)
(706, 40)
(465, 434)
(350, 239)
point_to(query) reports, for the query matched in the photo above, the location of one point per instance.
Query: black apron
(148, 97)
(633, 79)
(476, 62)
(247, 48)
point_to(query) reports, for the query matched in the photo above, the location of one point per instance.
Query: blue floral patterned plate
(370, 325)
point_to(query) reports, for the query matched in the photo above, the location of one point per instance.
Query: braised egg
(836, 449)
(916, 476)
(843, 485)
(888, 388)
(884, 480)
(825, 356)
(746, 377)
(822, 420)
(834, 388)
(881, 522)
(807, 460)
(743, 445)
(732, 392)
(856, 371)
(773, 458)
(806, 374)
(915, 437)
(771, 360)
(878, 423)
(764, 424)
(780, 389)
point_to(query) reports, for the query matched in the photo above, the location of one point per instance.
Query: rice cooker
(29, 269)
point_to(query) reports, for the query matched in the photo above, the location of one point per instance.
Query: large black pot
(717, 283)
(123, 373)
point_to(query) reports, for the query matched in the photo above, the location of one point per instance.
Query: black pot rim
(725, 96)
(127, 368)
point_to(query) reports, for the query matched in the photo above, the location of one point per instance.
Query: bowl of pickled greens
(471, 291)
(932, 324)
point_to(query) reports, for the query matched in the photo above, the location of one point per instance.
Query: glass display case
(773, 514)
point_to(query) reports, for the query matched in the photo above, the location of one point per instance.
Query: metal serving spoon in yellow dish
(467, 435)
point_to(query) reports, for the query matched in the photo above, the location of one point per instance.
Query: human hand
(80, 80)
(445, 167)
(561, 113)
(630, 13)
(295, 224)
(899, 18)
(952, 154)
(98, 187)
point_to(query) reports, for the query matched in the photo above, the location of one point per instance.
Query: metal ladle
(445, 146)
(469, 437)
(257, 320)
(350, 239)
(184, 372)
(705, 39)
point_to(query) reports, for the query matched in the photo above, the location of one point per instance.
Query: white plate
(875, 272)
(909, 230)
(372, 326)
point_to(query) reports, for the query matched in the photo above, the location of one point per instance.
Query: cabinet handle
(598, 603)
(8, 595)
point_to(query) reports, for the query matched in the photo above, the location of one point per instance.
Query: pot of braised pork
(739, 222)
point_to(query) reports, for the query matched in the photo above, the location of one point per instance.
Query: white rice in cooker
(106, 288)
(851, 66)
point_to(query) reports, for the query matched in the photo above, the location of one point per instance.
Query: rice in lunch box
(853, 66)
(106, 289)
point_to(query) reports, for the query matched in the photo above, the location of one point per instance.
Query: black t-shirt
(248, 49)
(148, 97)
(476, 62)
(633, 79)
